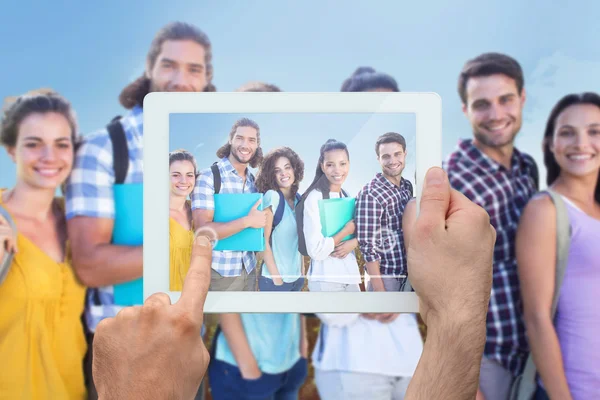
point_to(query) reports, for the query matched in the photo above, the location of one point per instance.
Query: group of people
(258, 346)
(65, 263)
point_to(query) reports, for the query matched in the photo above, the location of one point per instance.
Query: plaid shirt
(503, 194)
(379, 208)
(226, 263)
(90, 193)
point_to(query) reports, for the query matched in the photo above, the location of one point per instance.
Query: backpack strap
(120, 151)
(217, 177)
(563, 241)
(7, 260)
(280, 210)
(344, 194)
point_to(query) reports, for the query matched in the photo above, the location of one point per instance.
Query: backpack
(120, 150)
(525, 385)
(278, 215)
(300, 223)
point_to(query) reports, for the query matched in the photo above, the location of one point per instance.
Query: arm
(90, 213)
(451, 354)
(233, 329)
(318, 246)
(96, 261)
(203, 207)
(303, 338)
(368, 233)
(536, 260)
(268, 252)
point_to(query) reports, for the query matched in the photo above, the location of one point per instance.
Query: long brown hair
(134, 93)
(266, 179)
(552, 167)
(225, 150)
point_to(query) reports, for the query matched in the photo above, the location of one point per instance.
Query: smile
(580, 157)
(496, 128)
(48, 172)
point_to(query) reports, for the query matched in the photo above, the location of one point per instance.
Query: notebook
(335, 213)
(231, 206)
(129, 231)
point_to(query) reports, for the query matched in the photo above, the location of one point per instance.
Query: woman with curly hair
(280, 175)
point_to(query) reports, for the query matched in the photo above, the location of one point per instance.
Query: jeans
(226, 383)
(266, 285)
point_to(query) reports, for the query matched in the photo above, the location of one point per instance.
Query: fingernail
(434, 177)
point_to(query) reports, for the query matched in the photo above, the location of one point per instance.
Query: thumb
(435, 200)
(255, 207)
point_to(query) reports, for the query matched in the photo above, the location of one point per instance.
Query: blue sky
(90, 51)
(203, 134)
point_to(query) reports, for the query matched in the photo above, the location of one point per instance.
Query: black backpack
(300, 222)
(120, 149)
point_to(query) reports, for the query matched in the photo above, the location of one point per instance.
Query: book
(128, 230)
(335, 214)
(231, 206)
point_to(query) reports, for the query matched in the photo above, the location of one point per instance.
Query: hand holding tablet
(158, 342)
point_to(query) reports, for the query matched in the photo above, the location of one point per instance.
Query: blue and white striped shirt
(226, 263)
(90, 193)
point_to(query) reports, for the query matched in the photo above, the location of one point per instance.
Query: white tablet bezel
(157, 108)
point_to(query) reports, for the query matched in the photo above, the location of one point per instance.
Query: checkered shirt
(379, 208)
(89, 193)
(226, 263)
(503, 193)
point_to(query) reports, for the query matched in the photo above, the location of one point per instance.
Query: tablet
(205, 124)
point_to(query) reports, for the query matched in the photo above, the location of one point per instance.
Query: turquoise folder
(129, 231)
(231, 206)
(335, 213)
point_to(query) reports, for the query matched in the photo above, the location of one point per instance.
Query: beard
(488, 140)
(238, 159)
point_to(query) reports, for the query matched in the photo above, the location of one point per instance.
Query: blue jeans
(266, 285)
(226, 383)
(540, 394)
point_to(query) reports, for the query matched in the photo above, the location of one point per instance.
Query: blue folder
(129, 231)
(231, 206)
(335, 214)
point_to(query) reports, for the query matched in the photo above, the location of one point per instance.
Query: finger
(255, 207)
(158, 300)
(434, 201)
(3, 221)
(197, 280)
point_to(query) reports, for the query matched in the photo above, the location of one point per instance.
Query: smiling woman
(183, 172)
(41, 300)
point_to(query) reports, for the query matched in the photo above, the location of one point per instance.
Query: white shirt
(323, 267)
(351, 343)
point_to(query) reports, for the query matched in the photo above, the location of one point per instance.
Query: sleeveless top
(180, 254)
(577, 320)
(42, 341)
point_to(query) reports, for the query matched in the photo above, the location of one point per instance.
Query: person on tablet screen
(491, 172)
(179, 60)
(280, 174)
(379, 208)
(333, 265)
(257, 355)
(42, 341)
(182, 172)
(565, 348)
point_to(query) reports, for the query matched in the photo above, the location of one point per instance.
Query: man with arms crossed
(491, 172)
(179, 60)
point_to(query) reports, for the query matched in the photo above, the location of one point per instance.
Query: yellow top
(180, 254)
(42, 341)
